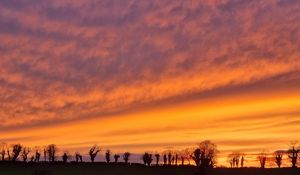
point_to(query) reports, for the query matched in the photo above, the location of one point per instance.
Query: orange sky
(150, 75)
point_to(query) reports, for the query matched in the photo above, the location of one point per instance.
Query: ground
(121, 169)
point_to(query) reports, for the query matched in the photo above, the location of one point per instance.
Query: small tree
(25, 152)
(147, 159)
(37, 155)
(16, 152)
(107, 156)
(93, 152)
(51, 150)
(278, 157)
(262, 158)
(126, 157)
(78, 157)
(65, 157)
(157, 156)
(116, 157)
(165, 159)
(293, 154)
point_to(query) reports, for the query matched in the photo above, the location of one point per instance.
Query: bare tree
(157, 156)
(278, 157)
(25, 152)
(78, 157)
(116, 157)
(262, 158)
(16, 152)
(93, 152)
(234, 159)
(37, 155)
(107, 156)
(126, 156)
(51, 150)
(293, 154)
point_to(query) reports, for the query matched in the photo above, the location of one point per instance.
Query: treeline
(203, 156)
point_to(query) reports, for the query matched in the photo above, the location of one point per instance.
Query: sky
(137, 75)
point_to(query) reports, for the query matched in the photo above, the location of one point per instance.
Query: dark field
(121, 169)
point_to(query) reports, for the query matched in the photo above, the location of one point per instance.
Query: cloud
(64, 61)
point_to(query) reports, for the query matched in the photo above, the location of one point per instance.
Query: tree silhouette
(107, 156)
(37, 155)
(157, 156)
(126, 156)
(51, 150)
(293, 154)
(147, 159)
(25, 152)
(262, 158)
(16, 152)
(197, 156)
(170, 158)
(278, 157)
(116, 157)
(208, 154)
(234, 159)
(165, 159)
(45, 153)
(3, 151)
(65, 157)
(93, 152)
(78, 157)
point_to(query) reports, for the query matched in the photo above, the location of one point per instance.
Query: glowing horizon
(150, 75)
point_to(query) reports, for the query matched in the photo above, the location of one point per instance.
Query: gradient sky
(139, 75)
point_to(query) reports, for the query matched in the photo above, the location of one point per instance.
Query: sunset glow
(150, 75)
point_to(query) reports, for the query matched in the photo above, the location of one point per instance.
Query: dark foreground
(121, 169)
